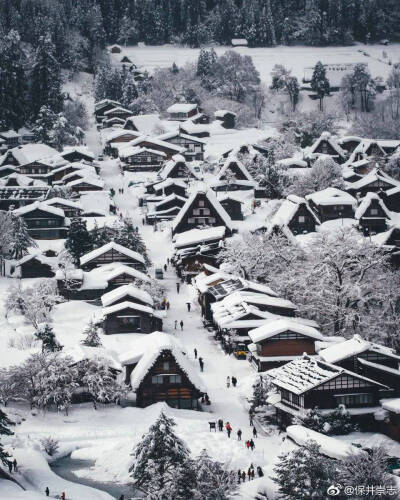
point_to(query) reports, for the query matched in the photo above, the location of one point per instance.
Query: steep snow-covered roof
(78, 149)
(213, 201)
(195, 236)
(329, 446)
(273, 328)
(232, 159)
(326, 136)
(135, 150)
(9, 134)
(221, 113)
(181, 107)
(332, 196)
(392, 405)
(81, 353)
(146, 124)
(169, 198)
(111, 246)
(177, 133)
(117, 108)
(28, 153)
(146, 351)
(37, 205)
(373, 176)
(168, 182)
(120, 132)
(303, 374)
(352, 347)
(292, 162)
(157, 142)
(50, 261)
(366, 202)
(126, 291)
(131, 305)
(63, 201)
(288, 210)
(23, 180)
(93, 181)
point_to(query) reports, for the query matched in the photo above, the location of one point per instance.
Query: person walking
(167, 304)
(181, 323)
(228, 381)
(247, 444)
(122, 497)
(189, 305)
(260, 471)
(239, 476)
(195, 353)
(244, 476)
(15, 465)
(165, 268)
(251, 420)
(252, 473)
(249, 473)
(168, 260)
(220, 424)
(10, 466)
(47, 491)
(254, 432)
(176, 324)
(234, 381)
(178, 286)
(239, 435)
(252, 445)
(228, 429)
(63, 495)
(201, 363)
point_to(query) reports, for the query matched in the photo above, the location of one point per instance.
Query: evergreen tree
(12, 82)
(92, 338)
(53, 129)
(46, 335)
(20, 240)
(129, 91)
(214, 481)
(46, 78)
(157, 456)
(304, 473)
(320, 83)
(79, 241)
(5, 422)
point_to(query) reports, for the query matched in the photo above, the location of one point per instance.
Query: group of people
(180, 324)
(12, 466)
(250, 473)
(231, 379)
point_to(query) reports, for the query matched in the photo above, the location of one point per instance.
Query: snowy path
(226, 403)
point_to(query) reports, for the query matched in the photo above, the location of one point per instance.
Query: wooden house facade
(35, 266)
(138, 159)
(43, 221)
(306, 383)
(233, 207)
(226, 118)
(182, 111)
(372, 215)
(130, 317)
(193, 146)
(331, 204)
(295, 214)
(201, 209)
(112, 252)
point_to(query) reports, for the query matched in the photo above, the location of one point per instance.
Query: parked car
(159, 274)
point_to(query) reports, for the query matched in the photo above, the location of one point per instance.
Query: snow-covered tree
(67, 269)
(304, 473)
(129, 91)
(8, 387)
(372, 470)
(46, 78)
(320, 83)
(91, 333)
(55, 384)
(6, 233)
(54, 129)
(214, 480)
(361, 87)
(46, 335)
(261, 390)
(100, 381)
(5, 423)
(283, 81)
(21, 240)
(273, 178)
(50, 445)
(324, 173)
(79, 241)
(307, 127)
(157, 456)
(392, 166)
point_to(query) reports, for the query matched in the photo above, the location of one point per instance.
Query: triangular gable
(237, 168)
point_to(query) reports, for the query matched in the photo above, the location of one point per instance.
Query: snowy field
(295, 58)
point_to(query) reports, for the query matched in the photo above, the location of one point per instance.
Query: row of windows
(166, 379)
(34, 171)
(201, 220)
(43, 222)
(343, 382)
(354, 399)
(201, 211)
(291, 398)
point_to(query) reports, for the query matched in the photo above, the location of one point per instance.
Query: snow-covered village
(199, 249)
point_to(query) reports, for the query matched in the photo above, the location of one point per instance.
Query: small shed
(239, 42)
(233, 207)
(227, 118)
(115, 49)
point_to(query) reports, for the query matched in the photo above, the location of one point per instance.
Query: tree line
(80, 28)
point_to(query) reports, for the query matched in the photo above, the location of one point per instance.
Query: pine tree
(213, 479)
(21, 240)
(92, 338)
(304, 473)
(157, 456)
(79, 241)
(12, 82)
(46, 335)
(5, 422)
(320, 83)
(129, 91)
(46, 78)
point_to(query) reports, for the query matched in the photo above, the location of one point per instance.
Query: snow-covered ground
(295, 58)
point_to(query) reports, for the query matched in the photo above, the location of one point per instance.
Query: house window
(196, 211)
(165, 365)
(354, 399)
(374, 211)
(201, 203)
(191, 220)
(131, 321)
(204, 211)
(175, 379)
(157, 379)
(302, 219)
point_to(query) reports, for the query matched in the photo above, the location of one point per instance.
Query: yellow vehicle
(241, 351)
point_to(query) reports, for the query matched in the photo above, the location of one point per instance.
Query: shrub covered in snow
(50, 445)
